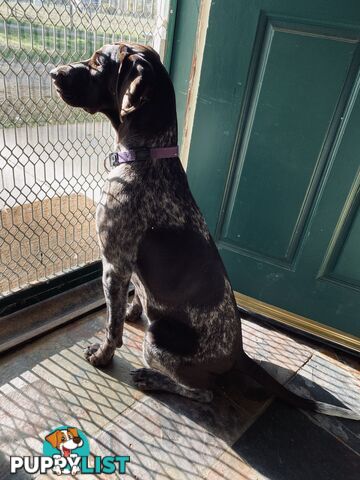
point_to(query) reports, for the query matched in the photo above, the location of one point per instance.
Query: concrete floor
(239, 435)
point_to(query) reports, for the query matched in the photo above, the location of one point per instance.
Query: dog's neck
(133, 141)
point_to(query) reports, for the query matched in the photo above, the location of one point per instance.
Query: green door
(275, 155)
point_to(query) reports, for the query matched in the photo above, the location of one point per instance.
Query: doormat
(46, 238)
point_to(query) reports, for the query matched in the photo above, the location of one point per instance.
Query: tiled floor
(244, 434)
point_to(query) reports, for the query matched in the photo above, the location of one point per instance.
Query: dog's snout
(57, 72)
(77, 440)
(53, 73)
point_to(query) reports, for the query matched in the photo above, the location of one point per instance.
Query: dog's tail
(246, 365)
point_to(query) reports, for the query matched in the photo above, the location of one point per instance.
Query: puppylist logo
(66, 450)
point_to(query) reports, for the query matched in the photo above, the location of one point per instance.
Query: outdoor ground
(249, 436)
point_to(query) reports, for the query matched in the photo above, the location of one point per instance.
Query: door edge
(302, 324)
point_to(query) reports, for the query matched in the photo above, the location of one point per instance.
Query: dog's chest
(119, 220)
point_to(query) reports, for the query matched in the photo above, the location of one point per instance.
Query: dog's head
(118, 80)
(65, 440)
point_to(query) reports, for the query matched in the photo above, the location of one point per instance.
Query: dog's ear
(135, 81)
(54, 438)
(73, 431)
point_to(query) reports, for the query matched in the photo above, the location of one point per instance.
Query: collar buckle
(142, 154)
(114, 159)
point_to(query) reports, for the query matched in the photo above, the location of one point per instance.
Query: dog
(65, 441)
(152, 233)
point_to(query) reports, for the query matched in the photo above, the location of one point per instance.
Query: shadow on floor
(241, 434)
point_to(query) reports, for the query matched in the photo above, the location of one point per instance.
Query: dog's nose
(77, 440)
(53, 73)
(59, 71)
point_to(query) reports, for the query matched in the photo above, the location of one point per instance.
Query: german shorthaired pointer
(152, 232)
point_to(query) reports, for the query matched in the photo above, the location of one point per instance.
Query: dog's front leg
(116, 280)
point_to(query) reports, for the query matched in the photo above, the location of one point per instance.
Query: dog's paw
(143, 379)
(146, 379)
(90, 350)
(97, 355)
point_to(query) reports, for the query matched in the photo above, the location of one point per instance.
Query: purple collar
(116, 158)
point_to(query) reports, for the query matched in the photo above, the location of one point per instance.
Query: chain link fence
(51, 156)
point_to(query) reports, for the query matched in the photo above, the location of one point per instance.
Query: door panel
(271, 193)
(274, 158)
(348, 239)
(341, 262)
